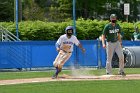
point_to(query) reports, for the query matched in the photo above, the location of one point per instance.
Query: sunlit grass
(49, 73)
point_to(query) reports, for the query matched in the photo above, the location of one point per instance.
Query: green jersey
(136, 35)
(111, 32)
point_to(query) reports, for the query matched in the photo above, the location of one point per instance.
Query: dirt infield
(71, 78)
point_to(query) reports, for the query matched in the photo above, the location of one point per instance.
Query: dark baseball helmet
(113, 17)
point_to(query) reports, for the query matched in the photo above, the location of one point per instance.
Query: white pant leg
(61, 58)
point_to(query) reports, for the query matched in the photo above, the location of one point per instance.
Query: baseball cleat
(54, 76)
(108, 73)
(122, 73)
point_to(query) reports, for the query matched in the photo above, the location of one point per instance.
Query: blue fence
(32, 54)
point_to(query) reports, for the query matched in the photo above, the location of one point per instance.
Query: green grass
(93, 86)
(49, 73)
(107, 86)
(21, 75)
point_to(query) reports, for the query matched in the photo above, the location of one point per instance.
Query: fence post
(99, 60)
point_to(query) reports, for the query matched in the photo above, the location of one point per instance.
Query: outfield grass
(107, 86)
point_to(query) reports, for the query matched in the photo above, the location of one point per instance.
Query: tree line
(61, 10)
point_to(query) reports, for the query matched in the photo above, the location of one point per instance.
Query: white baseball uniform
(66, 48)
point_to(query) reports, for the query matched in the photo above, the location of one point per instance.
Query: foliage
(128, 29)
(61, 10)
(85, 29)
(31, 11)
(6, 10)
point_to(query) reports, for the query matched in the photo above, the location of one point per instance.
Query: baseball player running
(64, 46)
(111, 33)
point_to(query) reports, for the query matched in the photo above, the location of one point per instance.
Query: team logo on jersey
(114, 31)
(68, 42)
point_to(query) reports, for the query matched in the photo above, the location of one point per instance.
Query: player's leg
(63, 60)
(109, 52)
(56, 64)
(56, 73)
(59, 62)
(59, 56)
(119, 52)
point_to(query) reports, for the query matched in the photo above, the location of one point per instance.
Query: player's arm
(81, 47)
(104, 36)
(103, 41)
(132, 37)
(57, 47)
(76, 41)
(119, 39)
(119, 36)
(57, 44)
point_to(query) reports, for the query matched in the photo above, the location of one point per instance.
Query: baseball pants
(111, 48)
(61, 58)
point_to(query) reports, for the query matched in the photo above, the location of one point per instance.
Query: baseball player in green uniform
(112, 35)
(136, 34)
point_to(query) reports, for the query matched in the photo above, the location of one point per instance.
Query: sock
(57, 71)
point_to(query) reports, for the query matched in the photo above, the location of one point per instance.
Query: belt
(112, 41)
(66, 51)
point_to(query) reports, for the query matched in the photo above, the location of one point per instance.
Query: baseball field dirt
(65, 77)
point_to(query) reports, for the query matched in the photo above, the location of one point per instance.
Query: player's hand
(104, 46)
(83, 50)
(121, 44)
(58, 49)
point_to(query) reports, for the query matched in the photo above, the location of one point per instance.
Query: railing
(17, 56)
(7, 35)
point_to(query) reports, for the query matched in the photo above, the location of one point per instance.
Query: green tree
(7, 10)
(32, 11)
(60, 10)
(90, 8)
